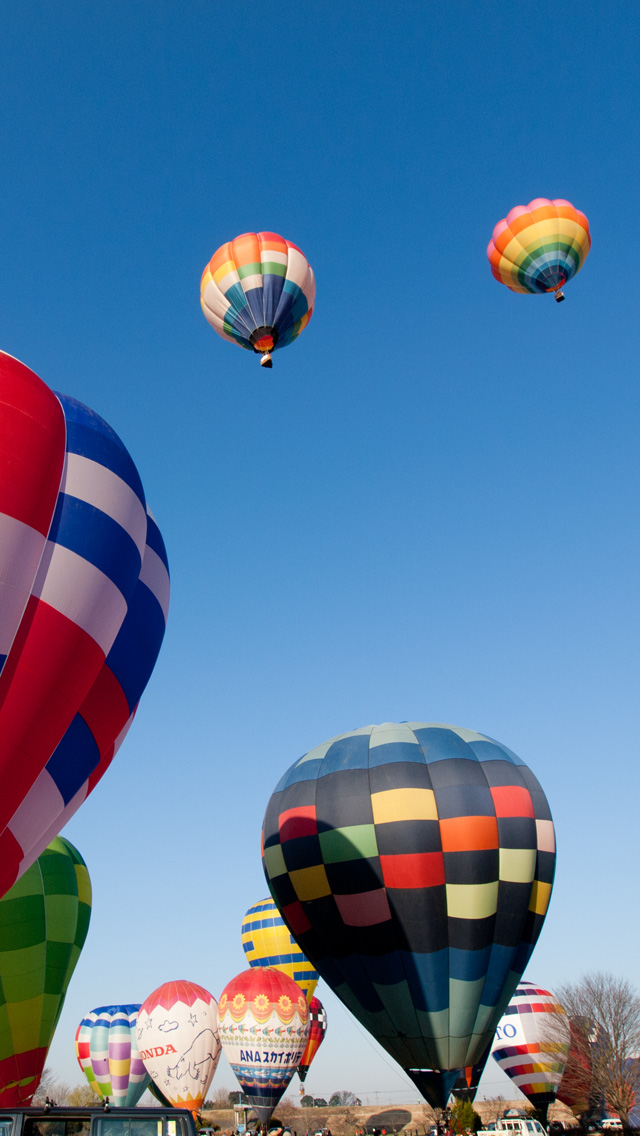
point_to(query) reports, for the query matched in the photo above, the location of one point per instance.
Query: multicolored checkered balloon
(413, 863)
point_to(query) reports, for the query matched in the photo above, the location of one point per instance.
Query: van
(54, 1120)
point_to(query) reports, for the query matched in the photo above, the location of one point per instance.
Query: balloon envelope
(532, 1043)
(267, 942)
(179, 1041)
(264, 1026)
(68, 676)
(44, 920)
(538, 247)
(317, 1032)
(108, 1054)
(258, 291)
(413, 863)
(101, 724)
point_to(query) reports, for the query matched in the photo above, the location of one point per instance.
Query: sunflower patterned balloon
(538, 247)
(264, 1027)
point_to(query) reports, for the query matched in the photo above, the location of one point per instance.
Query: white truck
(513, 1126)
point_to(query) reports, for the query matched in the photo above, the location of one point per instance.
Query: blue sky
(427, 510)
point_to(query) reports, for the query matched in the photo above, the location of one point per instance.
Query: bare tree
(492, 1109)
(604, 1012)
(49, 1086)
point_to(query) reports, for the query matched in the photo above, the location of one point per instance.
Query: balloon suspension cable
(559, 295)
(265, 361)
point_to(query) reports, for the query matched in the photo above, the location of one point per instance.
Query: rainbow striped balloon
(258, 291)
(538, 247)
(531, 1043)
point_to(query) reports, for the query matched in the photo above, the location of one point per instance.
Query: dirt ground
(410, 1118)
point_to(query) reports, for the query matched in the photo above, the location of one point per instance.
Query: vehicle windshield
(39, 1126)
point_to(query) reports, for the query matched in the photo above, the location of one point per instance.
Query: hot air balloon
(258, 291)
(264, 1026)
(317, 1031)
(531, 1044)
(414, 863)
(44, 920)
(107, 1052)
(538, 247)
(466, 1086)
(267, 942)
(103, 720)
(66, 682)
(179, 1042)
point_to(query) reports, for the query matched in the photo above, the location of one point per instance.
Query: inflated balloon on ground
(258, 291)
(264, 1027)
(317, 1033)
(539, 247)
(44, 920)
(108, 1054)
(179, 1041)
(267, 942)
(531, 1043)
(413, 863)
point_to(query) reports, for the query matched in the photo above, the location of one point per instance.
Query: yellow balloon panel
(267, 942)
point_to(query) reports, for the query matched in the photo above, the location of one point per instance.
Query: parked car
(611, 1122)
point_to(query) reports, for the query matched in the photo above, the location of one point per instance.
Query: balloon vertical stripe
(32, 444)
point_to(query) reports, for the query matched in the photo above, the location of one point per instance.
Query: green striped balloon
(44, 919)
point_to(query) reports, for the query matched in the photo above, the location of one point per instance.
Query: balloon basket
(559, 295)
(266, 358)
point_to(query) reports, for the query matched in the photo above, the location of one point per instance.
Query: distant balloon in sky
(179, 1041)
(413, 863)
(531, 1043)
(538, 247)
(317, 1033)
(83, 598)
(108, 1054)
(44, 920)
(264, 1026)
(258, 291)
(267, 942)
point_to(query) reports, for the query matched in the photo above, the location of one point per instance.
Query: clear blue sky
(427, 510)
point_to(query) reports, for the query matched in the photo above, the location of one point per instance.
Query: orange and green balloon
(538, 247)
